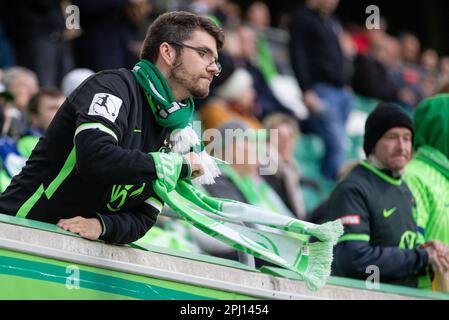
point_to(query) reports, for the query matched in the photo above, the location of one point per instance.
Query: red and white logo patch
(350, 219)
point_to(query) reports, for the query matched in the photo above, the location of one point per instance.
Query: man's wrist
(423, 265)
(105, 230)
(186, 169)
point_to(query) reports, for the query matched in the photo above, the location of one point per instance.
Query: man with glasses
(92, 174)
(205, 53)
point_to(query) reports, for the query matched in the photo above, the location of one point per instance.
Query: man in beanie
(376, 208)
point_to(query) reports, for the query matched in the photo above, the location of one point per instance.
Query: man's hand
(438, 255)
(195, 165)
(87, 228)
(312, 101)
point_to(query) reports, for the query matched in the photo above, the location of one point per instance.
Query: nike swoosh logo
(389, 212)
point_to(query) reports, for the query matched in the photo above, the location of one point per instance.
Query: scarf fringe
(319, 268)
(329, 231)
(184, 139)
(311, 261)
(211, 170)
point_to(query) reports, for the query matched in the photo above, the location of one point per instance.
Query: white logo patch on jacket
(105, 105)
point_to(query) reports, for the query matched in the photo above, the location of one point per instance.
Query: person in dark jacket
(376, 208)
(110, 33)
(93, 172)
(319, 64)
(36, 32)
(372, 76)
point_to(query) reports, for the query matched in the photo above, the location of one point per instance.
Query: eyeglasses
(204, 53)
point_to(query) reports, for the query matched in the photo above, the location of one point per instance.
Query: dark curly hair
(177, 26)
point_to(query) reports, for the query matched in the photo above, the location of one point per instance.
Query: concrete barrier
(252, 283)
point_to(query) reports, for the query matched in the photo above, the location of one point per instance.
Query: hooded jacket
(427, 175)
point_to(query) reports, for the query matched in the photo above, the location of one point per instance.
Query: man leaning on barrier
(92, 174)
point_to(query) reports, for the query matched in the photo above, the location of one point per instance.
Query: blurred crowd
(300, 78)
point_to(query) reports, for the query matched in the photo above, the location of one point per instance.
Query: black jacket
(379, 229)
(315, 50)
(94, 161)
(371, 78)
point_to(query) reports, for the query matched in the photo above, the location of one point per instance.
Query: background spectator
(41, 110)
(22, 84)
(7, 58)
(234, 99)
(262, 70)
(110, 30)
(372, 76)
(443, 77)
(318, 62)
(408, 77)
(36, 31)
(286, 181)
(73, 79)
(410, 48)
(13, 154)
(428, 172)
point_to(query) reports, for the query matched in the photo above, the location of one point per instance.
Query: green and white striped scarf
(218, 217)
